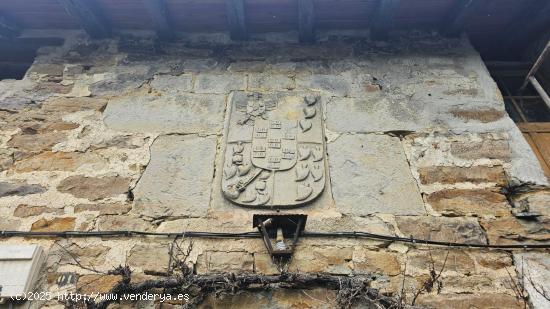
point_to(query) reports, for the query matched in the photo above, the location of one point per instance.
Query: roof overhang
(493, 26)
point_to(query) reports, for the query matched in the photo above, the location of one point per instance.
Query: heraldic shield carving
(275, 150)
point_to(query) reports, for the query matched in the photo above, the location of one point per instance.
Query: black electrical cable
(423, 241)
(65, 234)
(76, 234)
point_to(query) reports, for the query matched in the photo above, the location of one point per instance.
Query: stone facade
(126, 134)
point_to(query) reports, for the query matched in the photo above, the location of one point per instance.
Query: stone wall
(129, 134)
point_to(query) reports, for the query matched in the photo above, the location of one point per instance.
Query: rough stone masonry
(129, 134)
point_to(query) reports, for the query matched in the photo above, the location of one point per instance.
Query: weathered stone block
(399, 104)
(509, 230)
(23, 211)
(184, 113)
(317, 298)
(128, 223)
(471, 283)
(172, 84)
(327, 259)
(465, 230)
(124, 79)
(87, 254)
(268, 81)
(483, 115)
(469, 202)
(370, 174)
(178, 179)
(19, 188)
(263, 264)
(535, 201)
(462, 301)
(456, 174)
(51, 69)
(240, 300)
(57, 161)
(9, 224)
(14, 94)
(221, 261)
(150, 257)
(440, 260)
(94, 188)
(491, 260)
(54, 225)
(373, 112)
(71, 105)
(369, 261)
(484, 149)
(104, 209)
(219, 84)
(332, 84)
(97, 284)
(36, 142)
(534, 271)
(6, 159)
(368, 224)
(16, 103)
(45, 89)
(57, 126)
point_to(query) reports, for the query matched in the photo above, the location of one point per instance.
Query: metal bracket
(277, 230)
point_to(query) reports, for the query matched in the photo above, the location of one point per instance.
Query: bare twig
(541, 290)
(434, 278)
(76, 260)
(402, 294)
(518, 287)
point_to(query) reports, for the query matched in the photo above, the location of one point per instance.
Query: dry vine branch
(434, 278)
(518, 287)
(181, 279)
(402, 294)
(77, 261)
(541, 290)
(350, 289)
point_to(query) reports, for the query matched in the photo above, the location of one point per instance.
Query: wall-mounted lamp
(280, 233)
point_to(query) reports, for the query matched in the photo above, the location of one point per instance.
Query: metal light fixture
(280, 233)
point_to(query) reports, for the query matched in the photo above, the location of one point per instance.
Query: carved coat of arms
(275, 150)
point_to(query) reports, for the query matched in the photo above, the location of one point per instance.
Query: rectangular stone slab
(370, 174)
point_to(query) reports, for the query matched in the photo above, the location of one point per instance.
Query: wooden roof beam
(459, 16)
(159, 16)
(236, 17)
(306, 21)
(89, 17)
(383, 19)
(8, 29)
